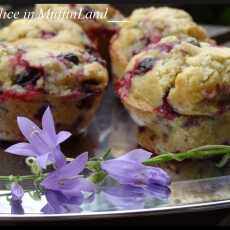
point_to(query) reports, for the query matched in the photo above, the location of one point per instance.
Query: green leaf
(201, 152)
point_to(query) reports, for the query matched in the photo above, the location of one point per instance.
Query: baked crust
(99, 30)
(61, 31)
(179, 91)
(147, 26)
(35, 74)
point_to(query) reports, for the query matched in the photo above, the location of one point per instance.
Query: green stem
(198, 153)
(21, 178)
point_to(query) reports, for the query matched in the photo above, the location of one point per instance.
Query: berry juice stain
(122, 86)
(166, 111)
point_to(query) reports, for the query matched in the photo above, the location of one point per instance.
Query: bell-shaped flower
(17, 194)
(65, 187)
(17, 191)
(43, 144)
(124, 197)
(130, 170)
(57, 203)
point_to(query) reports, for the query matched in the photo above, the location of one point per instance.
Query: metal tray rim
(203, 206)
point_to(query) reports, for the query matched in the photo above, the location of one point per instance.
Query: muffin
(63, 31)
(178, 92)
(100, 30)
(35, 74)
(147, 26)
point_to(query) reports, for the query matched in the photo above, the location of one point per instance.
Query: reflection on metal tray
(118, 132)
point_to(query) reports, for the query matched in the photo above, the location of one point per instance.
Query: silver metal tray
(197, 185)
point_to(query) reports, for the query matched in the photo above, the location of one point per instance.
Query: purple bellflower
(124, 196)
(57, 203)
(17, 193)
(129, 170)
(66, 189)
(44, 144)
(16, 207)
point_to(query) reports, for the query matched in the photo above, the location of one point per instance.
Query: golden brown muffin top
(148, 25)
(53, 68)
(191, 77)
(64, 31)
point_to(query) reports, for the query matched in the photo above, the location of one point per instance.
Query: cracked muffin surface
(63, 31)
(35, 74)
(147, 26)
(99, 21)
(52, 68)
(179, 88)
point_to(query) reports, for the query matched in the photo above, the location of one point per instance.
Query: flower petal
(76, 186)
(59, 158)
(54, 203)
(158, 191)
(48, 209)
(23, 149)
(27, 127)
(39, 143)
(48, 123)
(17, 191)
(138, 155)
(16, 207)
(125, 172)
(58, 203)
(125, 197)
(47, 139)
(74, 167)
(67, 171)
(42, 160)
(63, 136)
(124, 191)
(156, 175)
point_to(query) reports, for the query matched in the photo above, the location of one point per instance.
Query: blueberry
(89, 86)
(71, 58)
(144, 66)
(29, 76)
